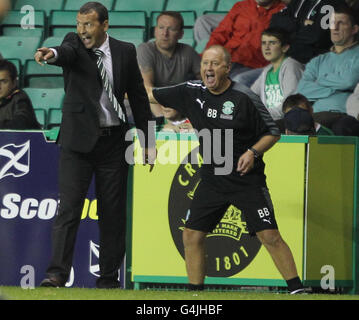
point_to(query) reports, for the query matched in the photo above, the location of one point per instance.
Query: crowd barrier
(313, 184)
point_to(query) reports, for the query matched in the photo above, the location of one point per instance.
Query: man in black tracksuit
(216, 104)
(308, 23)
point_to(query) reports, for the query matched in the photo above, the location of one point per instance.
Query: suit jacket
(79, 129)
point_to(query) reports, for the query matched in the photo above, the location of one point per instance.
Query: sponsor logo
(15, 160)
(13, 205)
(227, 111)
(228, 107)
(230, 248)
(201, 103)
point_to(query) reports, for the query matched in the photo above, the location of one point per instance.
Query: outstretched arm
(42, 55)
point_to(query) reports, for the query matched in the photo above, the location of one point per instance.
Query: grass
(17, 293)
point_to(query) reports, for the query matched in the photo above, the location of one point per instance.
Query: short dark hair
(174, 14)
(342, 7)
(294, 100)
(97, 7)
(282, 35)
(6, 65)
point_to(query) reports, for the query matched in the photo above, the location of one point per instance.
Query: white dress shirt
(107, 114)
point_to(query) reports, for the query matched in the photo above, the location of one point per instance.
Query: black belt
(109, 131)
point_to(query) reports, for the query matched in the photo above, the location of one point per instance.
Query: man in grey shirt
(165, 61)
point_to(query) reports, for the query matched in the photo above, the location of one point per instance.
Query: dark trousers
(107, 163)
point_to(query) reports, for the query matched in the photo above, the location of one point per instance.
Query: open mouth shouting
(215, 66)
(210, 79)
(86, 40)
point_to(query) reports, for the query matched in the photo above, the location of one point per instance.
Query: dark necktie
(107, 85)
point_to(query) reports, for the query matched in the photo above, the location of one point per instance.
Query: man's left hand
(245, 162)
(149, 157)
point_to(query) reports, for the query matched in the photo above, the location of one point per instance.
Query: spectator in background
(308, 26)
(330, 78)
(165, 61)
(176, 122)
(240, 33)
(298, 117)
(280, 78)
(16, 111)
(206, 23)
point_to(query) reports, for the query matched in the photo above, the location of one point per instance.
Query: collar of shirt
(333, 49)
(105, 47)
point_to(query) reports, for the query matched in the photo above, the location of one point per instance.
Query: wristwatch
(255, 152)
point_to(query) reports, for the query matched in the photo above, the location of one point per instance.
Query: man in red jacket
(240, 33)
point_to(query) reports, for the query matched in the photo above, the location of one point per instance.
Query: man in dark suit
(98, 71)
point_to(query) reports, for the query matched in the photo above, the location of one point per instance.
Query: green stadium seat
(62, 32)
(54, 118)
(22, 48)
(19, 24)
(226, 5)
(46, 99)
(17, 64)
(133, 5)
(127, 19)
(199, 47)
(128, 25)
(52, 42)
(190, 41)
(198, 6)
(46, 76)
(62, 22)
(76, 4)
(19, 32)
(188, 33)
(46, 5)
(41, 117)
(134, 35)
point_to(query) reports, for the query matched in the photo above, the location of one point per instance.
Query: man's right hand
(43, 54)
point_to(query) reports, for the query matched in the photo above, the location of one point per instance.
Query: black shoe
(52, 282)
